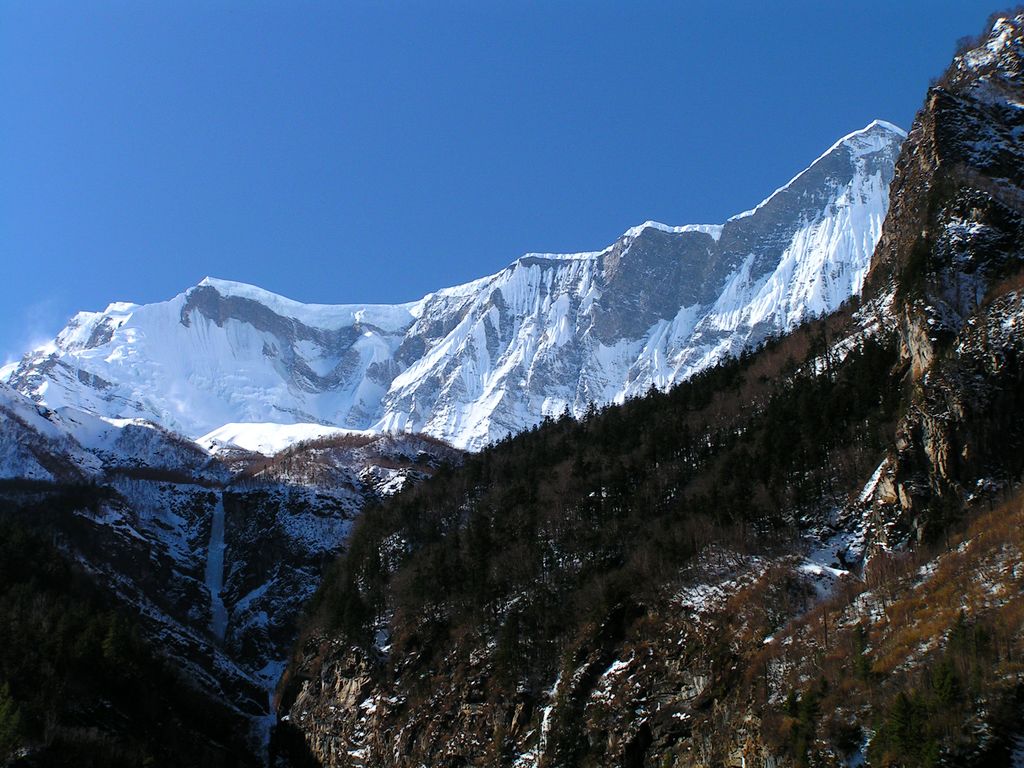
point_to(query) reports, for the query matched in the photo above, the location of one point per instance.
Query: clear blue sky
(374, 151)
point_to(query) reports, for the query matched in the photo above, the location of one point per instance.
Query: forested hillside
(78, 684)
(540, 558)
(533, 538)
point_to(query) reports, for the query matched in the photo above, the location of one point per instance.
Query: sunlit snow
(235, 366)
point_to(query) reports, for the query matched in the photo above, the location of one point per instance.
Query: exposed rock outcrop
(952, 253)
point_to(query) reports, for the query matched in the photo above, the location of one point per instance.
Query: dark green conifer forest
(78, 684)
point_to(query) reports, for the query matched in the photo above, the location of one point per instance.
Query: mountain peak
(235, 288)
(875, 136)
(475, 362)
(877, 124)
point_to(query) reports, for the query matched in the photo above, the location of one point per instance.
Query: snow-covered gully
(215, 570)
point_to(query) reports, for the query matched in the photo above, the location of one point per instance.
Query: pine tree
(10, 722)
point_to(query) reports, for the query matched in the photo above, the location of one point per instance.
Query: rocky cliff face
(477, 362)
(950, 255)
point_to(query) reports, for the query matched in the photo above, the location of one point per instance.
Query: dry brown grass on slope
(959, 607)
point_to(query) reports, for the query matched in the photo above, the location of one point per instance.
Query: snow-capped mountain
(473, 363)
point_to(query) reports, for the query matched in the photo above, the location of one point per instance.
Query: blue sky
(374, 151)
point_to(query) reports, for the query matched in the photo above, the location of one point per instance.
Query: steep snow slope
(475, 362)
(70, 445)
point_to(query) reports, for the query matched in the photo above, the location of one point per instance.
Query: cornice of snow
(326, 316)
(715, 230)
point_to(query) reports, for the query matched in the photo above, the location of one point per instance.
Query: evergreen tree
(10, 722)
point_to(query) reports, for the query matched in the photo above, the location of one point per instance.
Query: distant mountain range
(232, 365)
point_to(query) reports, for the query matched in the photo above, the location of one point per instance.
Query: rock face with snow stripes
(473, 363)
(951, 255)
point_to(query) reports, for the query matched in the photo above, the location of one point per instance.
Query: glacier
(226, 363)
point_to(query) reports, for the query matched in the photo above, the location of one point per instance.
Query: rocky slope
(810, 556)
(216, 553)
(80, 684)
(477, 362)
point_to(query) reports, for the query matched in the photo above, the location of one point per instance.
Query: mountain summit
(473, 363)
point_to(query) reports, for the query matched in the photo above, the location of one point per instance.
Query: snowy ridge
(850, 139)
(475, 362)
(327, 316)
